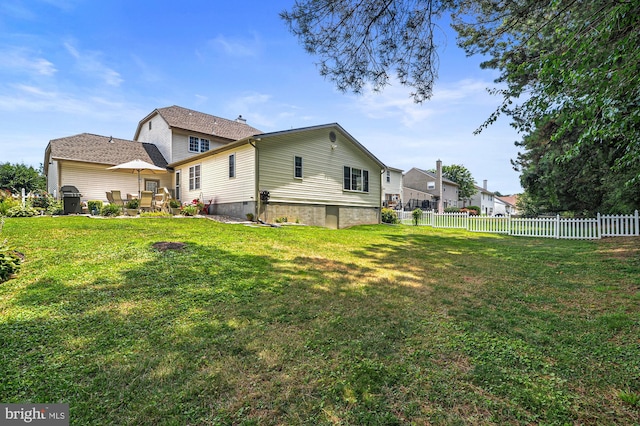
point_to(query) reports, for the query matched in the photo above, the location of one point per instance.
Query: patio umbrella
(139, 166)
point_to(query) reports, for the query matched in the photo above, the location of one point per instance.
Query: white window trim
(195, 182)
(365, 184)
(198, 140)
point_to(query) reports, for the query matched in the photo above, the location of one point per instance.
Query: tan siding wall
(416, 180)
(322, 170)
(180, 146)
(216, 184)
(93, 180)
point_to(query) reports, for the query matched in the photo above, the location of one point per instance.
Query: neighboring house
(82, 161)
(484, 199)
(427, 182)
(317, 175)
(507, 205)
(500, 207)
(415, 199)
(392, 188)
(180, 133)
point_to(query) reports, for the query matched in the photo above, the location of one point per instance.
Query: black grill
(71, 199)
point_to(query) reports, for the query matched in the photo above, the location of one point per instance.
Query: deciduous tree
(15, 177)
(575, 63)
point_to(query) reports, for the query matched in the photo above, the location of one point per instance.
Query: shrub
(282, 219)
(41, 200)
(389, 216)
(21, 211)
(9, 259)
(473, 210)
(6, 203)
(452, 210)
(55, 208)
(190, 210)
(174, 204)
(133, 204)
(417, 214)
(250, 217)
(94, 206)
(110, 210)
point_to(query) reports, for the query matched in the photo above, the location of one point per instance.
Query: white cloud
(91, 63)
(23, 61)
(236, 47)
(394, 102)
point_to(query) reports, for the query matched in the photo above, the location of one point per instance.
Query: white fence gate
(546, 227)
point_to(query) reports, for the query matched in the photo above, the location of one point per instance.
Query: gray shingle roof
(183, 118)
(91, 148)
(433, 175)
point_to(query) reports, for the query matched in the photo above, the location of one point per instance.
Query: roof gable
(195, 121)
(433, 176)
(327, 126)
(260, 137)
(90, 148)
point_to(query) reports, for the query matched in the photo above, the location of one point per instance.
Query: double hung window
(198, 144)
(194, 177)
(356, 179)
(297, 167)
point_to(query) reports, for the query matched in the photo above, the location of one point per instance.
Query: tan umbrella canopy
(139, 166)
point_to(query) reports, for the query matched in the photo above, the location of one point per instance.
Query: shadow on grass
(426, 329)
(206, 336)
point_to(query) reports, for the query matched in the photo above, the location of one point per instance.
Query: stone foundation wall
(315, 215)
(352, 216)
(312, 215)
(238, 210)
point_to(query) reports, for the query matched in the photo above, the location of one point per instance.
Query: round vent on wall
(332, 136)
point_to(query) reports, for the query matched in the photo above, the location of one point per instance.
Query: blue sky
(74, 66)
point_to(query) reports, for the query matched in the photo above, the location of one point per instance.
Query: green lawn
(297, 325)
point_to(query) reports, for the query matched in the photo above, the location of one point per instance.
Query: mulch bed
(166, 245)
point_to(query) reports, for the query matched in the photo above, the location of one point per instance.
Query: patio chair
(146, 200)
(117, 198)
(110, 197)
(161, 200)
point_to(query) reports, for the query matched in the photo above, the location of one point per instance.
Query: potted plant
(131, 207)
(174, 205)
(190, 210)
(199, 205)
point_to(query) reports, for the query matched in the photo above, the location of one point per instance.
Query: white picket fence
(546, 227)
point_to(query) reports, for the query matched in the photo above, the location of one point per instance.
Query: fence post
(557, 230)
(637, 230)
(599, 227)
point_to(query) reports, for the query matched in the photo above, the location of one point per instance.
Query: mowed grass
(374, 325)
